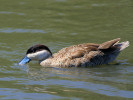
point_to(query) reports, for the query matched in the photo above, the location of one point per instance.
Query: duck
(81, 55)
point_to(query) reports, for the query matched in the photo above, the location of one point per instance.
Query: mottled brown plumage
(87, 54)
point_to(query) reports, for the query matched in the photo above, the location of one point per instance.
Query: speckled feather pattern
(87, 54)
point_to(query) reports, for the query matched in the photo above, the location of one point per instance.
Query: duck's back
(76, 51)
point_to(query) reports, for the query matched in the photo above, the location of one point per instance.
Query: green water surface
(58, 24)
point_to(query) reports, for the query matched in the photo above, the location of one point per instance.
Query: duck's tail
(122, 45)
(114, 44)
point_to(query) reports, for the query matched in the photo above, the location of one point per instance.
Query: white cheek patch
(40, 55)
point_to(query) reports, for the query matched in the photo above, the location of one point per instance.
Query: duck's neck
(50, 56)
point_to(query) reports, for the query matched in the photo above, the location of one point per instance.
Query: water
(58, 24)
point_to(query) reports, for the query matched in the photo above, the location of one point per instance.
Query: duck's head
(37, 52)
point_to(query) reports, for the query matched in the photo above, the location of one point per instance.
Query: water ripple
(11, 30)
(20, 95)
(7, 12)
(97, 88)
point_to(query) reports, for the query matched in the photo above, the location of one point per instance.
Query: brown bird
(82, 55)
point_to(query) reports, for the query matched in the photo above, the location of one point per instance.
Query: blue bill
(24, 60)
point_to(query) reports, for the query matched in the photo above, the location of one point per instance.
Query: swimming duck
(87, 54)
